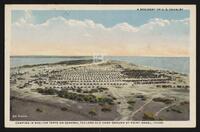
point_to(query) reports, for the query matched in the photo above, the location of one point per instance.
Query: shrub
(79, 90)
(102, 88)
(148, 116)
(143, 99)
(184, 102)
(89, 98)
(106, 108)
(104, 100)
(92, 112)
(114, 98)
(38, 110)
(100, 100)
(71, 96)
(92, 99)
(131, 102)
(158, 86)
(130, 107)
(39, 90)
(111, 103)
(86, 91)
(64, 109)
(50, 91)
(140, 96)
(86, 98)
(47, 91)
(164, 100)
(93, 90)
(60, 94)
(176, 110)
(80, 98)
(108, 100)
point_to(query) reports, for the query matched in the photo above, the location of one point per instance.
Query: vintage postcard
(100, 66)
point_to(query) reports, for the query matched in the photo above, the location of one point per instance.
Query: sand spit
(107, 90)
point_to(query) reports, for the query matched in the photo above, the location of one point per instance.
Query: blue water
(178, 64)
(30, 60)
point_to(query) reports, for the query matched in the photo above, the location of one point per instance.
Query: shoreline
(136, 59)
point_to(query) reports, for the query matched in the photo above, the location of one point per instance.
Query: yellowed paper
(100, 66)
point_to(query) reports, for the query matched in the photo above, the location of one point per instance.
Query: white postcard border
(94, 124)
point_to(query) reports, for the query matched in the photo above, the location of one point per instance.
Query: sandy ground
(24, 110)
(51, 109)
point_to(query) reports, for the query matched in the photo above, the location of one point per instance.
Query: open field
(104, 90)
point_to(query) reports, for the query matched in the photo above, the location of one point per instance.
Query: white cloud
(75, 37)
(125, 27)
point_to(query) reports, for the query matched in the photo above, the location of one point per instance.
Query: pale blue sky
(106, 17)
(84, 32)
